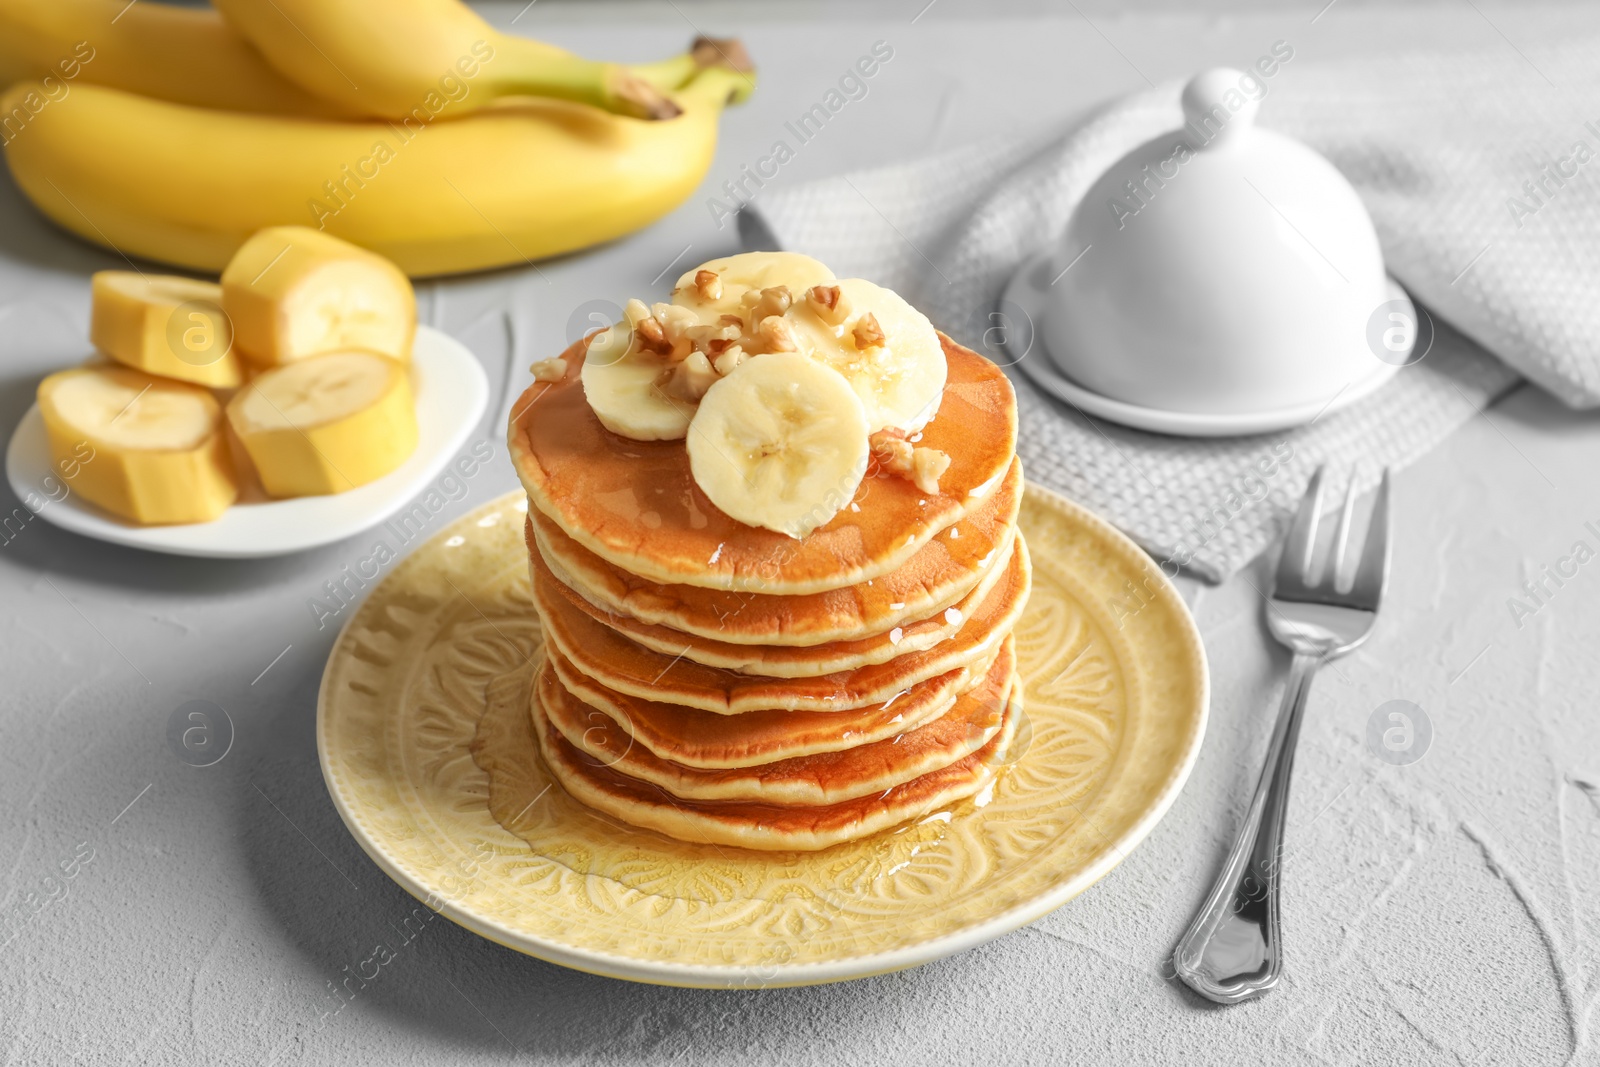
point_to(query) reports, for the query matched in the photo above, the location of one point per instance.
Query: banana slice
(738, 274)
(781, 442)
(326, 424)
(147, 449)
(901, 381)
(164, 325)
(621, 386)
(294, 292)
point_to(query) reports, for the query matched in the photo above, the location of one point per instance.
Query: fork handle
(1231, 951)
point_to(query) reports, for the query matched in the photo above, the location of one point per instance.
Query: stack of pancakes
(724, 683)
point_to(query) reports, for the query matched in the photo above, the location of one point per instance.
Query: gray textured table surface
(1441, 912)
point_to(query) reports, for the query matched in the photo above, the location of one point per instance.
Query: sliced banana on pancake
(621, 384)
(736, 275)
(644, 377)
(781, 443)
(900, 380)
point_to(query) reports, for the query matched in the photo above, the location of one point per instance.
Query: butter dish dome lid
(1219, 270)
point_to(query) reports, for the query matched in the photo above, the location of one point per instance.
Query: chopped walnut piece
(867, 334)
(773, 300)
(694, 376)
(676, 326)
(675, 317)
(730, 320)
(708, 284)
(731, 357)
(892, 451)
(829, 303)
(920, 466)
(650, 337)
(713, 339)
(549, 370)
(927, 465)
(777, 335)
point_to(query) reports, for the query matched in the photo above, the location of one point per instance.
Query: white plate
(451, 391)
(1026, 295)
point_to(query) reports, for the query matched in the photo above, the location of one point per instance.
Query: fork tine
(1338, 565)
(1374, 570)
(1301, 542)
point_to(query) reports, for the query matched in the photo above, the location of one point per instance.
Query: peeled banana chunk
(156, 451)
(165, 325)
(293, 292)
(327, 423)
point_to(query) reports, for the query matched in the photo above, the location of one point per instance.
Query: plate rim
(455, 357)
(1055, 382)
(722, 976)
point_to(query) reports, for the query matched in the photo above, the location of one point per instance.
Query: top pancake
(636, 505)
(941, 572)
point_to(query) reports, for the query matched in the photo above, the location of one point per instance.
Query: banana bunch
(311, 113)
(300, 357)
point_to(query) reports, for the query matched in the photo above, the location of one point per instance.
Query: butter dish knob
(1217, 110)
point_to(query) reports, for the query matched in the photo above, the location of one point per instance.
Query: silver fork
(1232, 951)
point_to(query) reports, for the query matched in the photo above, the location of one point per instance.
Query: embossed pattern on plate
(432, 671)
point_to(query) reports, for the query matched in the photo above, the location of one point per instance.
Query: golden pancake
(788, 661)
(628, 667)
(709, 741)
(771, 827)
(636, 505)
(942, 571)
(828, 778)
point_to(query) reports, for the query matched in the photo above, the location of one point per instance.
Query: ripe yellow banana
(186, 55)
(192, 56)
(519, 181)
(386, 60)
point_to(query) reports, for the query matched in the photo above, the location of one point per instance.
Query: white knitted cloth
(1437, 146)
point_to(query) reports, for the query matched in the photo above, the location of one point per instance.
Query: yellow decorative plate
(426, 748)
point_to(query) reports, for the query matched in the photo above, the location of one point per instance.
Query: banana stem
(667, 74)
(717, 87)
(608, 86)
(704, 53)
